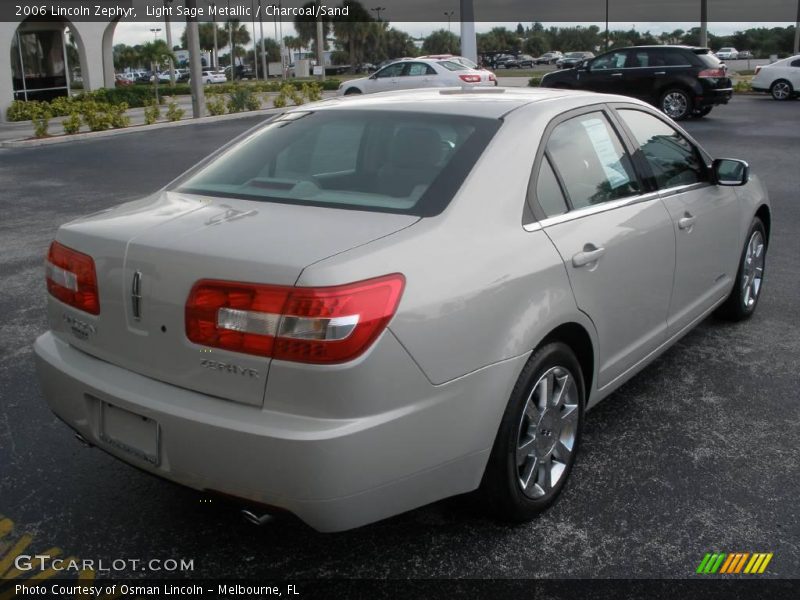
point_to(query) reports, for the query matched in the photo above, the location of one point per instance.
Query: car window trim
(531, 202)
(587, 211)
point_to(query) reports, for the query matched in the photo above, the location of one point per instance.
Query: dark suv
(680, 80)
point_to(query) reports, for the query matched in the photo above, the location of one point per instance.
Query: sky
(137, 33)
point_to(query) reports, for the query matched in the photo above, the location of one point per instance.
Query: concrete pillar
(469, 44)
(7, 32)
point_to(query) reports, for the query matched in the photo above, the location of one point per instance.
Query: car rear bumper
(333, 473)
(714, 97)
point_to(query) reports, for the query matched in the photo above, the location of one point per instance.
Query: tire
(352, 91)
(743, 299)
(702, 112)
(781, 90)
(676, 104)
(518, 485)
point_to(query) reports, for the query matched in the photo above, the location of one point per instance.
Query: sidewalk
(13, 134)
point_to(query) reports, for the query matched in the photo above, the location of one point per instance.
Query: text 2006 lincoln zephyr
(366, 305)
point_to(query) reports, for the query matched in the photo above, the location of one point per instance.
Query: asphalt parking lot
(698, 453)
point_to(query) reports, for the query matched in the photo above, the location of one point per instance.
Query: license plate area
(132, 433)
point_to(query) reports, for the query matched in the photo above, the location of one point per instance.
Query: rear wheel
(781, 90)
(352, 91)
(676, 104)
(538, 437)
(742, 302)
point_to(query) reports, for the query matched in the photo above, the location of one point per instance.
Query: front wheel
(742, 302)
(352, 91)
(781, 90)
(676, 104)
(538, 438)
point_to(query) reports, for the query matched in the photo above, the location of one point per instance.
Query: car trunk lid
(149, 254)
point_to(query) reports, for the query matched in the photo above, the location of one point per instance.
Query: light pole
(168, 27)
(449, 14)
(607, 40)
(378, 10)
(255, 47)
(230, 43)
(797, 31)
(704, 23)
(321, 46)
(213, 5)
(264, 68)
(155, 31)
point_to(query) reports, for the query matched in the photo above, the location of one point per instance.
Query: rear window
(386, 161)
(707, 59)
(452, 66)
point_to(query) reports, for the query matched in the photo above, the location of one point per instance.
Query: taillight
(492, 77)
(758, 68)
(470, 78)
(712, 73)
(71, 277)
(310, 325)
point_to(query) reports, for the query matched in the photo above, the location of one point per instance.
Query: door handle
(616, 74)
(686, 222)
(588, 256)
(660, 73)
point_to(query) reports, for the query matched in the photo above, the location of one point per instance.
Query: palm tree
(206, 33)
(292, 43)
(238, 35)
(354, 32)
(156, 53)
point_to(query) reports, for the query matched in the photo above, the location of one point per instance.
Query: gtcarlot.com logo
(734, 563)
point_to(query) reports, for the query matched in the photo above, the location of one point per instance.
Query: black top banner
(524, 11)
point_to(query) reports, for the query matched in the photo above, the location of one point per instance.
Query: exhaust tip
(255, 519)
(83, 440)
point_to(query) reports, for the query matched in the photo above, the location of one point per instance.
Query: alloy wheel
(781, 90)
(675, 104)
(547, 433)
(752, 270)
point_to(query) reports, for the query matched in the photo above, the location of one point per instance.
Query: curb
(92, 135)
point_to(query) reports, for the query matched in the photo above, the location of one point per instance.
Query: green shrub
(152, 113)
(41, 121)
(216, 106)
(312, 91)
(239, 99)
(534, 82)
(117, 116)
(253, 102)
(279, 101)
(96, 115)
(22, 111)
(72, 124)
(174, 112)
(742, 86)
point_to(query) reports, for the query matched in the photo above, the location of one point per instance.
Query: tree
(398, 44)
(206, 34)
(306, 28)
(292, 43)
(354, 31)
(240, 36)
(156, 53)
(126, 57)
(442, 42)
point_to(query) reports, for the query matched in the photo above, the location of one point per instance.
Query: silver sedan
(363, 306)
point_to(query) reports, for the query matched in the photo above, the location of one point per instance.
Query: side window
(674, 58)
(391, 71)
(796, 63)
(548, 191)
(641, 59)
(416, 69)
(613, 60)
(591, 160)
(672, 158)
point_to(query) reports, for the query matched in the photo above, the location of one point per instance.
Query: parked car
(506, 61)
(418, 73)
(549, 58)
(573, 59)
(727, 53)
(457, 59)
(781, 79)
(745, 54)
(145, 77)
(680, 80)
(328, 317)
(525, 61)
(122, 80)
(210, 77)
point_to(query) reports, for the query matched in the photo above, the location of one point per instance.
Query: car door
(793, 74)
(605, 73)
(646, 72)
(416, 75)
(386, 79)
(705, 216)
(616, 240)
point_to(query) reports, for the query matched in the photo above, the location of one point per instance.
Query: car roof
(488, 102)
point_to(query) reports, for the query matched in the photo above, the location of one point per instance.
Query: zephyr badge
(136, 295)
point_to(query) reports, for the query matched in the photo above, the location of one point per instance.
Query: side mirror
(373, 76)
(730, 171)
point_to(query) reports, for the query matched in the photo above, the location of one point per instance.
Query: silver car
(365, 305)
